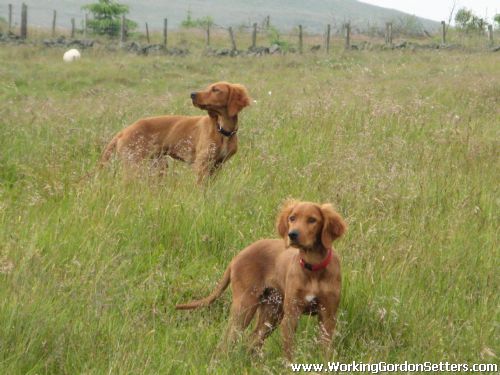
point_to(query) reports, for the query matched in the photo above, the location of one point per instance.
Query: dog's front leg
(327, 321)
(289, 324)
(205, 164)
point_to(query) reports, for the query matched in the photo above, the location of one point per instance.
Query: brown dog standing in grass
(281, 283)
(204, 141)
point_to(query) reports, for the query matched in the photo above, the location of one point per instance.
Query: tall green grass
(404, 144)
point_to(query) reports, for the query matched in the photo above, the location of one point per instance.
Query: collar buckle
(224, 132)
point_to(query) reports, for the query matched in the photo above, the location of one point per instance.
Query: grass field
(404, 144)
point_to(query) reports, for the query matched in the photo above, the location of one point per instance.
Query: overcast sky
(439, 9)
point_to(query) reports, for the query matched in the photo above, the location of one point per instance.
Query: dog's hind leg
(243, 310)
(269, 317)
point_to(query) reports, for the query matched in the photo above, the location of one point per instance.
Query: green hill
(285, 14)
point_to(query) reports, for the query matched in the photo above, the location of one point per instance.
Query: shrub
(497, 20)
(467, 21)
(107, 17)
(189, 22)
(273, 35)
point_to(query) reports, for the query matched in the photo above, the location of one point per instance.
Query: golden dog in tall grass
(204, 141)
(281, 283)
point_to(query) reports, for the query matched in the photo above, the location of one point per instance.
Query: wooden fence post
(10, 17)
(147, 33)
(268, 22)
(301, 50)
(490, 35)
(24, 21)
(207, 38)
(122, 30)
(165, 32)
(54, 17)
(231, 35)
(443, 32)
(72, 28)
(254, 35)
(388, 33)
(348, 35)
(328, 30)
(85, 23)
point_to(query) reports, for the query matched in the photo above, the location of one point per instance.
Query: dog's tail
(105, 156)
(108, 151)
(221, 286)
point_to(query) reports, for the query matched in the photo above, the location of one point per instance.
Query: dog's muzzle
(293, 235)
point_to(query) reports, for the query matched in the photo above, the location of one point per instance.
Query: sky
(439, 10)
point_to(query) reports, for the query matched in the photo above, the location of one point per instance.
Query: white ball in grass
(71, 55)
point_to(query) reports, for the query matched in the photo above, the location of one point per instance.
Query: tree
(107, 17)
(468, 21)
(497, 19)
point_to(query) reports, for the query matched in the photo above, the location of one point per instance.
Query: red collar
(319, 266)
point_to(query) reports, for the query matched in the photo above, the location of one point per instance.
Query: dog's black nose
(293, 235)
(193, 95)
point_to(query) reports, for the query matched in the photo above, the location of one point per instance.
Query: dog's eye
(215, 89)
(291, 218)
(311, 220)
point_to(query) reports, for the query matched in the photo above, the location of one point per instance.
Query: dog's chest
(309, 298)
(225, 148)
(311, 304)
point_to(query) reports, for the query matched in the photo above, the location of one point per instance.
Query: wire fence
(257, 37)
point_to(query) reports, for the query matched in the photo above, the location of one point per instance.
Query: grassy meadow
(405, 145)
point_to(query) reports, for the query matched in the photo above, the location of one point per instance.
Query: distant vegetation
(497, 19)
(408, 25)
(3, 24)
(107, 17)
(314, 15)
(467, 21)
(274, 38)
(189, 22)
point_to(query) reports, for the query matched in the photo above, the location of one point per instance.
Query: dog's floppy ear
(282, 220)
(238, 99)
(333, 225)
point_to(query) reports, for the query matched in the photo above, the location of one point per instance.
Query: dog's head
(306, 225)
(222, 96)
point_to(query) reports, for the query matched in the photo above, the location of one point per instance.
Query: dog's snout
(193, 95)
(293, 235)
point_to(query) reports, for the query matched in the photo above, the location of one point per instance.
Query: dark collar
(225, 133)
(316, 267)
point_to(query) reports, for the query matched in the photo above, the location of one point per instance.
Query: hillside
(285, 14)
